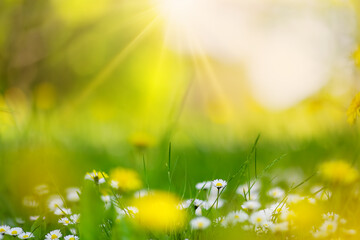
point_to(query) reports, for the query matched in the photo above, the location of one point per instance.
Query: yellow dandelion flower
(338, 172)
(142, 140)
(354, 109)
(125, 179)
(160, 211)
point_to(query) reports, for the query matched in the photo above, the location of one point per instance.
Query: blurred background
(95, 84)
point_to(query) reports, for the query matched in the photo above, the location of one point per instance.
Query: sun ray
(156, 76)
(216, 102)
(204, 64)
(111, 66)
(178, 105)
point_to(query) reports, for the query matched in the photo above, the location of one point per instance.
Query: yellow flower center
(236, 217)
(200, 224)
(218, 184)
(54, 236)
(14, 232)
(25, 236)
(67, 221)
(259, 219)
(72, 238)
(2, 230)
(330, 227)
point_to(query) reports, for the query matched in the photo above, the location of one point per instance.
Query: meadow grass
(278, 198)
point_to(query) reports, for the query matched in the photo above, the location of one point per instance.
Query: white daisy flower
(114, 184)
(65, 221)
(73, 231)
(198, 211)
(259, 218)
(263, 229)
(253, 196)
(72, 194)
(319, 234)
(142, 193)
(203, 185)
(251, 205)
(284, 215)
(26, 235)
(128, 211)
(62, 211)
(55, 202)
(185, 204)
(107, 200)
(330, 216)
(221, 221)
(329, 226)
(71, 237)
(213, 194)
(219, 183)
(29, 201)
(259, 229)
(41, 189)
(97, 177)
(293, 198)
(14, 231)
(53, 235)
(131, 211)
(236, 217)
(33, 218)
(19, 220)
(200, 223)
(311, 200)
(194, 202)
(276, 193)
(254, 188)
(267, 224)
(247, 227)
(350, 232)
(320, 193)
(292, 176)
(279, 227)
(342, 221)
(4, 229)
(75, 218)
(197, 203)
(278, 208)
(213, 203)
